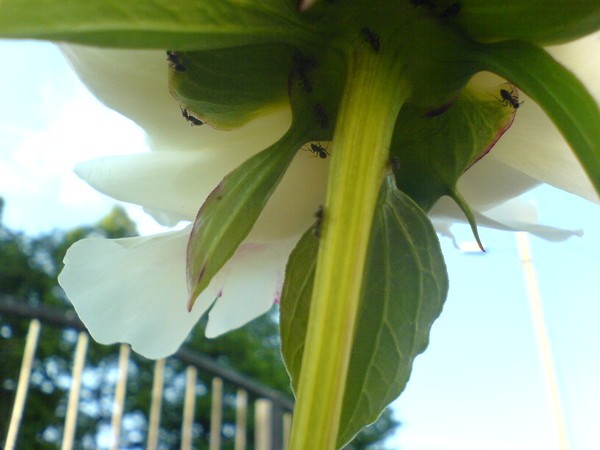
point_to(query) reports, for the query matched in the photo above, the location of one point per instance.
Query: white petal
(252, 283)
(291, 209)
(490, 182)
(513, 215)
(521, 215)
(173, 185)
(165, 218)
(174, 182)
(533, 144)
(133, 290)
(581, 57)
(135, 83)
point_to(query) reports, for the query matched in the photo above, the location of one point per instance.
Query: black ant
(371, 38)
(302, 66)
(321, 116)
(317, 225)
(318, 150)
(174, 62)
(508, 98)
(191, 119)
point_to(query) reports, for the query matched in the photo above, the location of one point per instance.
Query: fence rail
(272, 409)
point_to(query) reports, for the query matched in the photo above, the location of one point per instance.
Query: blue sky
(480, 383)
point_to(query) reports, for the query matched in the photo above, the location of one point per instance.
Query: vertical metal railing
(216, 414)
(543, 341)
(189, 404)
(23, 384)
(156, 404)
(263, 417)
(73, 403)
(120, 390)
(271, 410)
(287, 427)
(241, 419)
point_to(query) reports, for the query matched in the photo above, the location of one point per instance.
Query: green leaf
(231, 209)
(315, 89)
(174, 24)
(295, 302)
(434, 149)
(403, 293)
(206, 85)
(542, 21)
(557, 91)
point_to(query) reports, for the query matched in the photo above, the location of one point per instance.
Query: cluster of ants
(174, 61)
(302, 66)
(176, 64)
(450, 11)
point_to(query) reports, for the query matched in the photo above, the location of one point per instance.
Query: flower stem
(373, 95)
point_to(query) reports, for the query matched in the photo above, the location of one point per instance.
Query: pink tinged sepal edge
(534, 146)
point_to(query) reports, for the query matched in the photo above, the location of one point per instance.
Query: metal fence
(271, 409)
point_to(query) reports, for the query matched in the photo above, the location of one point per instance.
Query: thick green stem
(372, 97)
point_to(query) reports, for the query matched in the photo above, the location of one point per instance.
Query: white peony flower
(134, 290)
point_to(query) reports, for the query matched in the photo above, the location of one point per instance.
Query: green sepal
(403, 293)
(470, 216)
(315, 86)
(232, 208)
(439, 78)
(205, 84)
(557, 91)
(161, 24)
(544, 22)
(433, 151)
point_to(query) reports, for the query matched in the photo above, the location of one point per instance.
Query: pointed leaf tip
(466, 209)
(193, 291)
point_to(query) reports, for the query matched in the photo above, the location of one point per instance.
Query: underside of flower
(396, 106)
